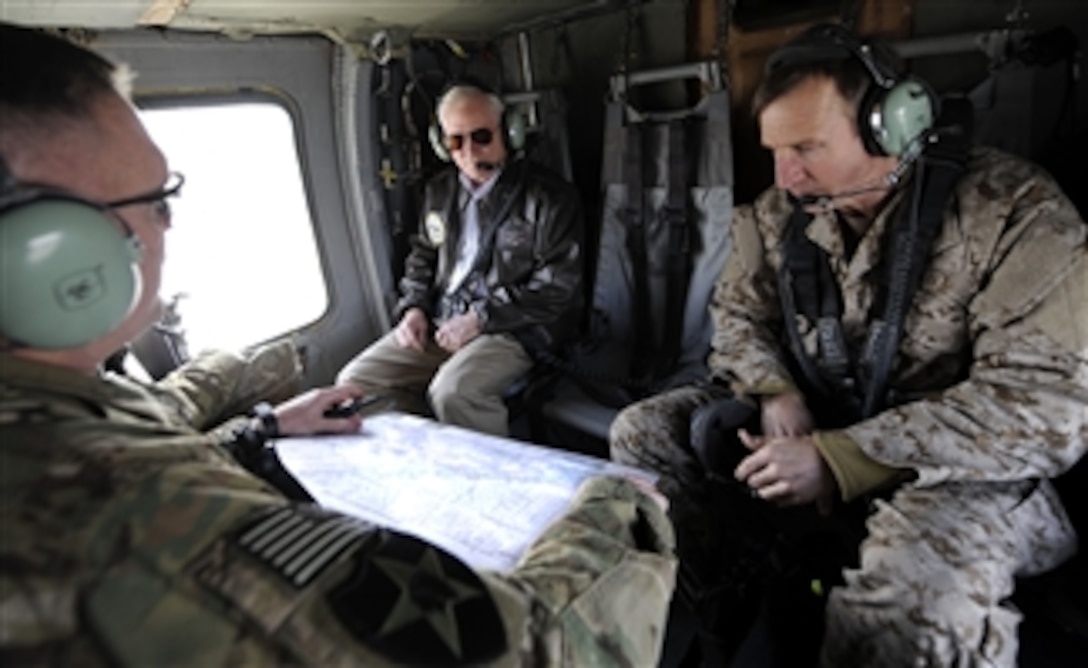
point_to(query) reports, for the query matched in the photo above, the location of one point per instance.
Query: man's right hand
(413, 329)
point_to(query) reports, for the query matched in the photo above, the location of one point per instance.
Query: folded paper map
(483, 498)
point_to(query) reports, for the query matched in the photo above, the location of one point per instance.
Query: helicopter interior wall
(576, 58)
(580, 56)
(304, 74)
(1046, 126)
(1059, 124)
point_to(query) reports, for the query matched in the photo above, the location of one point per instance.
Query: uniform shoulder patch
(416, 604)
(300, 541)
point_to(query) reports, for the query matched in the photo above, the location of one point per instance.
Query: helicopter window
(241, 251)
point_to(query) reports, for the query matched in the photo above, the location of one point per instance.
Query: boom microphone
(824, 201)
(891, 179)
(487, 166)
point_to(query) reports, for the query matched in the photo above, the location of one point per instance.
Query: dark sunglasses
(158, 197)
(480, 137)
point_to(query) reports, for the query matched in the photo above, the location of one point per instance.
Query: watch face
(269, 424)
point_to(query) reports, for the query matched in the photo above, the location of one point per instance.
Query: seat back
(547, 140)
(667, 181)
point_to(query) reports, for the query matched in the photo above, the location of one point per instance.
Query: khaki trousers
(464, 389)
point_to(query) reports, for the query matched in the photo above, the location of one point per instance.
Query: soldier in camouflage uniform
(990, 379)
(131, 535)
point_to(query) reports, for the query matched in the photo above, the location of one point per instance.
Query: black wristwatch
(249, 438)
(270, 426)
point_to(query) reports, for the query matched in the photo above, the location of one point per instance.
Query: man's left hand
(456, 332)
(786, 470)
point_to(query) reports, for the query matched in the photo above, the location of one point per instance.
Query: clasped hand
(456, 332)
(785, 466)
(451, 336)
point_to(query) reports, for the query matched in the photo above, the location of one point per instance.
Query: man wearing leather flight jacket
(495, 270)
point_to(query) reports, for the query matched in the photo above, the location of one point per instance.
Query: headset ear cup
(70, 276)
(906, 113)
(515, 129)
(893, 113)
(434, 135)
(869, 122)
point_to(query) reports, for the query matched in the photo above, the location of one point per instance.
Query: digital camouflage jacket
(993, 362)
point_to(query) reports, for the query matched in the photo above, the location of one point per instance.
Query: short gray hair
(460, 92)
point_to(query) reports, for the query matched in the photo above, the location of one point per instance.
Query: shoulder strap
(816, 294)
(936, 173)
(800, 291)
(399, 182)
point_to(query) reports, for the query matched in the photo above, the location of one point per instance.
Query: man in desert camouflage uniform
(990, 385)
(132, 536)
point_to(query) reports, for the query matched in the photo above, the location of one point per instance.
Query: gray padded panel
(613, 291)
(710, 207)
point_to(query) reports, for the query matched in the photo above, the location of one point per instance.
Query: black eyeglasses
(158, 197)
(480, 136)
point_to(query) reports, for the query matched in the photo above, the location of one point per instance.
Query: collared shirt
(469, 243)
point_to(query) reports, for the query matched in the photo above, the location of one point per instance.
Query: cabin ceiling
(354, 19)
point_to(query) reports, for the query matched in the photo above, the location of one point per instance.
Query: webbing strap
(936, 174)
(799, 291)
(634, 219)
(678, 227)
(393, 149)
(817, 294)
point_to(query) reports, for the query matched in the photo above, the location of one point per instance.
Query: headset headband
(831, 41)
(895, 111)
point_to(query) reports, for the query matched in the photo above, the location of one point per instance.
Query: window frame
(308, 73)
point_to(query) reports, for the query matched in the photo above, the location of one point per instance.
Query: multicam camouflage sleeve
(218, 385)
(599, 582)
(156, 550)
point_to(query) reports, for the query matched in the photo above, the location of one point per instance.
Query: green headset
(70, 274)
(894, 113)
(513, 130)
